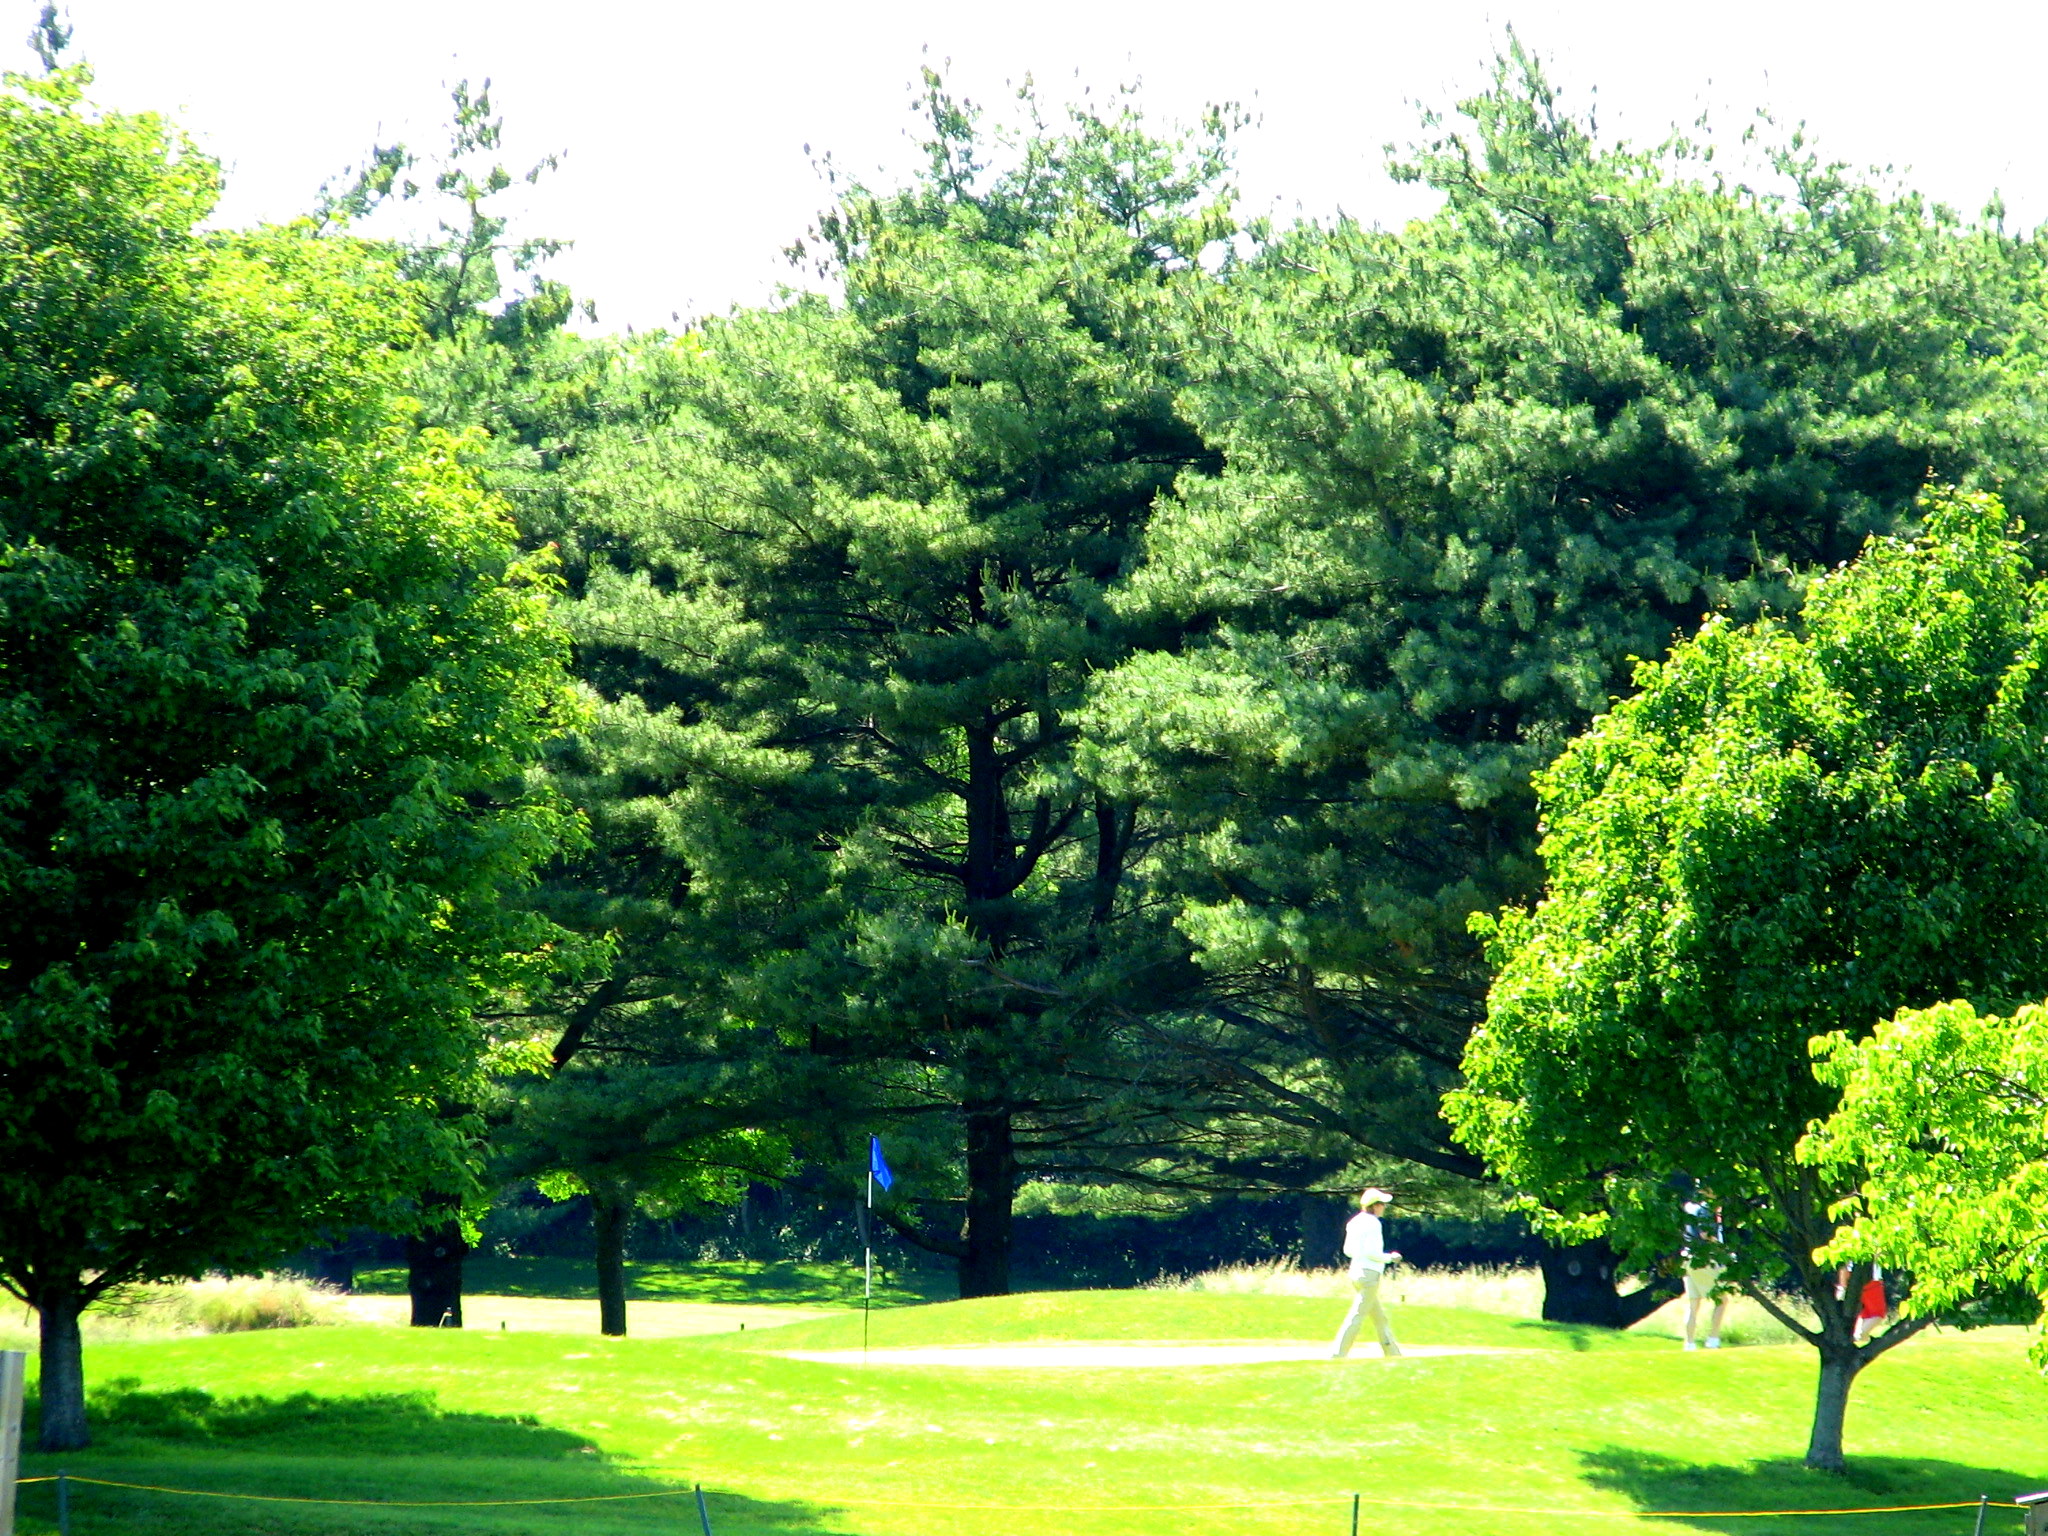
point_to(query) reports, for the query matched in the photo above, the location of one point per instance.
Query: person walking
(1702, 1274)
(1365, 1246)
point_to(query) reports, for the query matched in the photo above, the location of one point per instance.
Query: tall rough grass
(217, 1304)
(1508, 1291)
(244, 1303)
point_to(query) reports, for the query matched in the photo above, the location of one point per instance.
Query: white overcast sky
(685, 123)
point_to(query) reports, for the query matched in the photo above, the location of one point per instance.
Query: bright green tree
(272, 675)
(844, 599)
(495, 357)
(1475, 467)
(1790, 831)
(1940, 1129)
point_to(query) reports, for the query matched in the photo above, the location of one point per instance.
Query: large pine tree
(1475, 466)
(843, 598)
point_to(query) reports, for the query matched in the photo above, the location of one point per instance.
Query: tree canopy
(1472, 469)
(1939, 1138)
(846, 594)
(1790, 830)
(272, 675)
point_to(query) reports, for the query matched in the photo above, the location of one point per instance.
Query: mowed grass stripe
(1589, 1425)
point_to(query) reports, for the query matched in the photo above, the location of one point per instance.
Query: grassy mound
(1583, 1429)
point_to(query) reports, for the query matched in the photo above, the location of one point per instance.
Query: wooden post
(13, 1377)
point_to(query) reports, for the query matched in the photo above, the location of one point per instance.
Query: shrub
(241, 1303)
(218, 1304)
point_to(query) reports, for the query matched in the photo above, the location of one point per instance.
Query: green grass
(739, 1281)
(1579, 1424)
(1165, 1316)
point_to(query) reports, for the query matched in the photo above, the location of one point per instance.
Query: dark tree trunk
(991, 1191)
(434, 1275)
(1581, 1285)
(62, 1371)
(335, 1267)
(610, 1216)
(1838, 1367)
(1322, 1230)
(995, 863)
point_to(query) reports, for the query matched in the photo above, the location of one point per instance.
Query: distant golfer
(1876, 1306)
(1366, 1248)
(1702, 1274)
(1873, 1306)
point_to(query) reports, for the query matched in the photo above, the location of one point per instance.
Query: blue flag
(879, 1165)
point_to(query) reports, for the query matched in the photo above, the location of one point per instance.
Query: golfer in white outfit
(1366, 1248)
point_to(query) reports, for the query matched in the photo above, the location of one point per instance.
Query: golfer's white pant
(1366, 1303)
(1699, 1290)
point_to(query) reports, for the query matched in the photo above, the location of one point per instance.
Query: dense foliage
(1789, 831)
(1474, 468)
(844, 592)
(1057, 697)
(1940, 1128)
(271, 673)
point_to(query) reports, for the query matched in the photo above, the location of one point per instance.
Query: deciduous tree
(1790, 831)
(1940, 1129)
(272, 674)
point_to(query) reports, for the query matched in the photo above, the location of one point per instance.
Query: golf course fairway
(1539, 1428)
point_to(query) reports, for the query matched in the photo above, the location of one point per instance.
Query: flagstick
(867, 1290)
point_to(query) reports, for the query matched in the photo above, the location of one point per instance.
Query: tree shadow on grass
(378, 1424)
(371, 1449)
(739, 1282)
(1654, 1482)
(1578, 1337)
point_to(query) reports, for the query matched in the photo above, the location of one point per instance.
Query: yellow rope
(671, 1493)
(287, 1498)
(1462, 1509)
